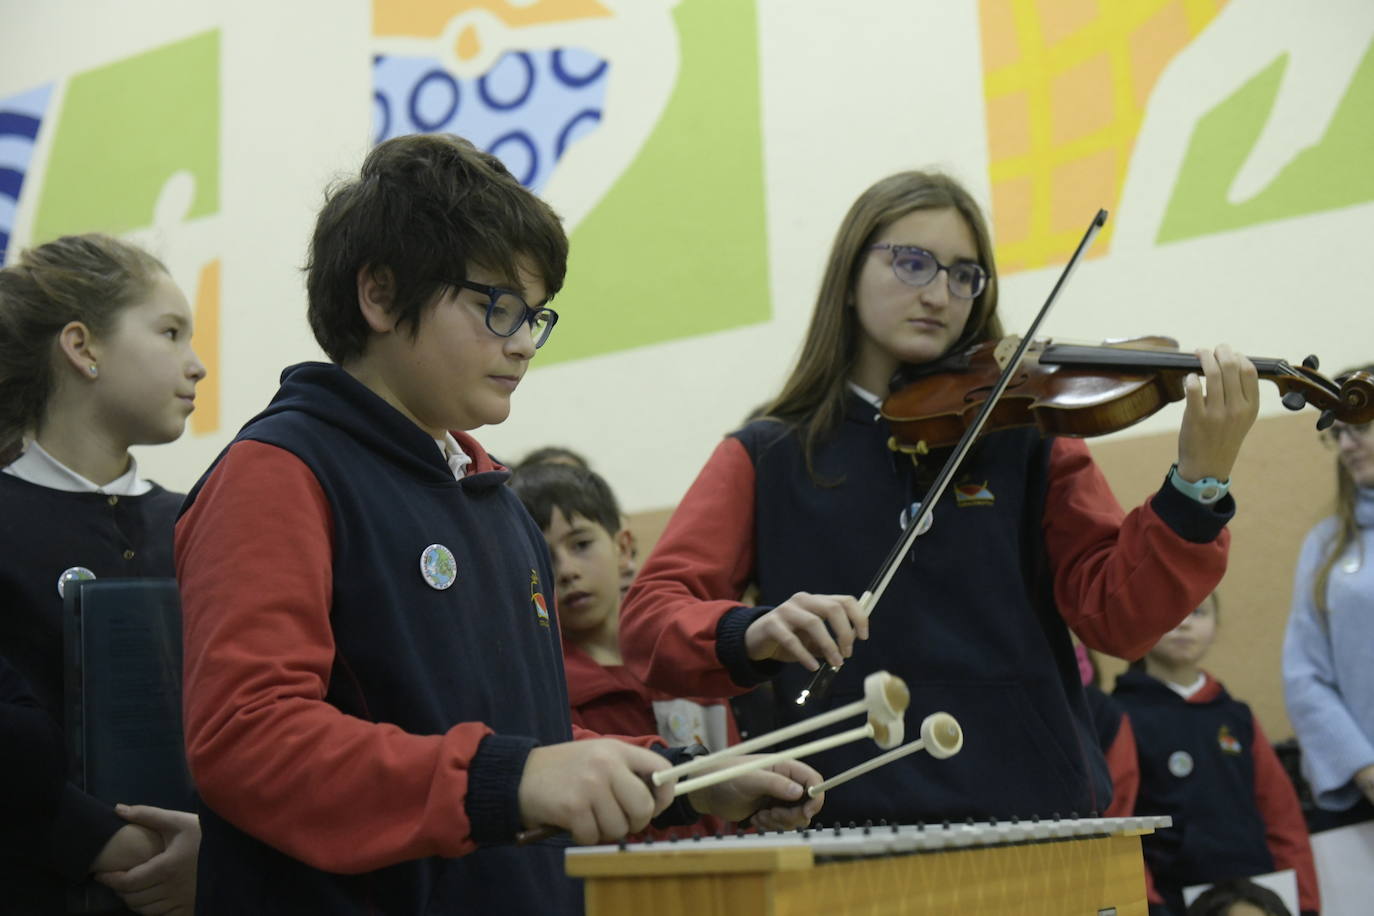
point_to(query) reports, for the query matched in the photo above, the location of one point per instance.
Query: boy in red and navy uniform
(582, 523)
(374, 696)
(1205, 761)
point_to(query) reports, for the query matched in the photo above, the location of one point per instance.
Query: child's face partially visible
(456, 374)
(1188, 642)
(586, 564)
(148, 373)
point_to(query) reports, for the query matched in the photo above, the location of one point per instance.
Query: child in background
(1238, 898)
(374, 695)
(625, 538)
(578, 514)
(95, 357)
(1205, 761)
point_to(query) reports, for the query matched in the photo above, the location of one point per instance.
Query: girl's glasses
(916, 267)
(1331, 436)
(507, 311)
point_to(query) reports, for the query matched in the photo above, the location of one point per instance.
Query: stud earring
(94, 371)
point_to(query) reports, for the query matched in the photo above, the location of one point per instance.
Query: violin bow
(821, 681)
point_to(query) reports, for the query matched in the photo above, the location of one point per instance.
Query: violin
(1084, 391)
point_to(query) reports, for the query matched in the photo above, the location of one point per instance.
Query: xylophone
(1052, 867)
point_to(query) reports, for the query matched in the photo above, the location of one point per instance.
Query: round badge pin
(910, 512)
(1180, 763)
(74, 574)
(437, 567)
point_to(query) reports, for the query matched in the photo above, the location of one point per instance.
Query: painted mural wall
(701, 153)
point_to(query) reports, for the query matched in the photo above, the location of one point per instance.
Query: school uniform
(1205, 762)
(371, 654)
(1027, 542)
(1117, 740)
(55, 525)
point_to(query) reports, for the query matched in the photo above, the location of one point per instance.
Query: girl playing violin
(1029, 543)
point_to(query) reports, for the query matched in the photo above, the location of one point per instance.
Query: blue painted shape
(526, 110)
(21, 118)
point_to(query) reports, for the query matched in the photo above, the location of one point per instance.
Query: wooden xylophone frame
(1088, 866)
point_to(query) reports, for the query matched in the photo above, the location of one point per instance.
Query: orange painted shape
(1081, 100)
(1079, 187)
(1156, 42)
(1001, 48)
(469, 45)
(1011, 206)
(1009, 126)
(427, 18)
(205, 418)
(1059, 19)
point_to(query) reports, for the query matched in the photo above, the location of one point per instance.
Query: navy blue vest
(1196, 765)
(408, 654)
(968, 621)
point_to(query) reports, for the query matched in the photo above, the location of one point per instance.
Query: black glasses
(1331, 436)
(915, 266)
(507, 311)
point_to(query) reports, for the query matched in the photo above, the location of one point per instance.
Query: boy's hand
(1215, 421)
(165, 883)
(131, 845)
(800, 630)
(598, 790)
(775, 796)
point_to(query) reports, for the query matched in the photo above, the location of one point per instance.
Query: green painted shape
(1333, 173)
(678, 246)
(124, 129)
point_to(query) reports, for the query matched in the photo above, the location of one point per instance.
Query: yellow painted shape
(427, 18)
(1065, 84)
(205, 418)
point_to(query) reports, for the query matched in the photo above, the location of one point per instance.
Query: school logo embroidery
(1227, 741)
(541, 609)
(438, 567)
(973, 494)
(1180, 763)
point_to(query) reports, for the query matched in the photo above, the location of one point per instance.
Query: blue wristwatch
(1208, 490)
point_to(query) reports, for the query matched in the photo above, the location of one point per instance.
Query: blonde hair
(86, 278)
(813, 396)
(1347, 531)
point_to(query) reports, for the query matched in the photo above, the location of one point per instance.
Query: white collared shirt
(1187, 690)
(867, 395)
(458, 460)
(38, 467)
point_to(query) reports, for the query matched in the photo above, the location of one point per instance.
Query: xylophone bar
(848, 842)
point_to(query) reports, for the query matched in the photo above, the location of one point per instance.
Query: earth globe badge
(74, 574)
(437, 566)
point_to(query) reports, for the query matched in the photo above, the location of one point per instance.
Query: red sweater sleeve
(253, 557)
(1121, 580)
(696, 573)
(1124, 765)
(1284, 828)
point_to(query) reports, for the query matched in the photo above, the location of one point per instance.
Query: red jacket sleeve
(1284, 828)
(1124, 765)
(1121, 580)
(695, 574)
(253, 558)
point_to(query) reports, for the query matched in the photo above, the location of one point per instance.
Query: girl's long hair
(812, 398)
(1347, 532)
(86, 278)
